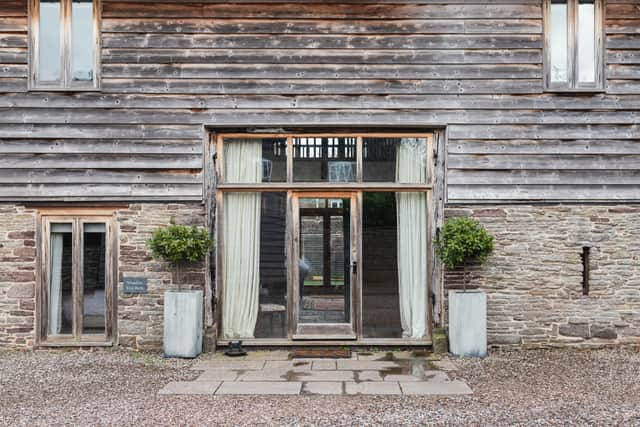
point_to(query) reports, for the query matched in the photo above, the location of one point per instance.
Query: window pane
(60, 320)
(93, 252)
(255, 160)
(49, 46)
(324, 159)
(82, 40)
(586, 41)
(401, 160)
(558, 42)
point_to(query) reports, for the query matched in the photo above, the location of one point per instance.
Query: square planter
(468, 323)
(182, 324)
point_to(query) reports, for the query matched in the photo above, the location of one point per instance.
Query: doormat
(320, 353)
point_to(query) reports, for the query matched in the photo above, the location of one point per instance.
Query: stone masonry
(17, 276)
(534, 278)
(140, 323)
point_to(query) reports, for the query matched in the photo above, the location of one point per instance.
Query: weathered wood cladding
(171, 67)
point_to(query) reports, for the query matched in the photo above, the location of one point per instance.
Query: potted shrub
(460, 243)
(181, 245)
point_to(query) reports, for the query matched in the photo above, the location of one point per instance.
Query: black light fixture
(235, 349)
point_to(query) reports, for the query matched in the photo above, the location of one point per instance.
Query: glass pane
(586, 41)
(380, 297)
(272, 309)
(324, 159)
(94, 256)
(82, 40)
(324, 260)
(60, 320)
(402, 160)
(255, 160)
(558, 42)
(49, 46)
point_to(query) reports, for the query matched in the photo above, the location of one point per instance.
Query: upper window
(573, 45)
(64, 44)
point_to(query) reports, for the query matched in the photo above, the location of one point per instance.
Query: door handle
(354, 267)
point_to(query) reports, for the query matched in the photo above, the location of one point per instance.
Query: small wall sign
(135, 285)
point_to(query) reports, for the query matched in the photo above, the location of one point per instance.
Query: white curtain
(55, 285)
(241, 233)
(412, 237)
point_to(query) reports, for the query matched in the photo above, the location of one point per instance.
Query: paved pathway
(270, 373)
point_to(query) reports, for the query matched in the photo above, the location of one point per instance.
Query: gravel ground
(534, 387)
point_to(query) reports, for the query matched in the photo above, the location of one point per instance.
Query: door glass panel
(60, 280)
(255, 160)
(318, 159)
(586, 42)
(82, 40)
(558, 41)
(49, 45)
(395, 160)
(324, 262)
(94, 257)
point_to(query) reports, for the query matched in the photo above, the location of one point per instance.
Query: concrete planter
(182, 324)
(468, 323)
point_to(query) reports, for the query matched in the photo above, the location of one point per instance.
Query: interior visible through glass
(49, 46)
(324, 262)
(60, 321)
(93, 279)
(558, 41)
(331, 159)
(586, 41)
(82, 40)
(385, 158)
(255, 160)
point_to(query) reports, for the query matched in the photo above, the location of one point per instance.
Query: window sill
(64, 89)
(74, 343)
(576, 91)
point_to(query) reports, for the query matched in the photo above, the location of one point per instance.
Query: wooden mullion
(289, 155)
(66, 42)
(572, 13)
(76, 266)
(359, 159)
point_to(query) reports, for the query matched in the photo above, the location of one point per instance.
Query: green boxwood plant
(180, 244)
(463, 241)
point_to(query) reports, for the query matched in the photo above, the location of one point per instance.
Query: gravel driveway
(534, 387)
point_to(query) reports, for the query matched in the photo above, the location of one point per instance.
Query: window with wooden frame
(64, 44)
(77, 280)
(574, 49)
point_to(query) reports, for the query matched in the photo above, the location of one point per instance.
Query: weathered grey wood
(107, 161)
(543, 193)
(576, 178)
(90, 176)
(532, 161)
(544, 146)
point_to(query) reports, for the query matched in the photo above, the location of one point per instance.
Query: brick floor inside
(272, 373)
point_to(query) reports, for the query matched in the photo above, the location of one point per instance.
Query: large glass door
(325, 265)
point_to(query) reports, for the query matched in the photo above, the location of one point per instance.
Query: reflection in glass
(558, 41)
(49, 46)
(82, 40)
(60, 320)
(324, 260)
(383, 156)
(93, 279)
(253, 160)
(586, 41)
(324, 159)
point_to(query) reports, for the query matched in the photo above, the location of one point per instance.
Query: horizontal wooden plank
(100, 146)
(13, 55)
(623, 41)
(545, 132)
(546, 146)
(319, 11)
(622, 26)
(33, 192)
(546, 193)
(102, 131)
(13, 40)
(545, 101)
(623, 56)
(310, 26)
(13, 70)
(280, 41)
(623, 10)
(10, 8)
(553, 162)
(324, 71)
(616, 71)
(543, 177)
(103, 176)
(312, 86)
(323, 56)
(623, 86)
(13, 84)
(100, 161)
(16, 24)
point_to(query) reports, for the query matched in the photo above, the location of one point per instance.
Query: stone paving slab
(291, 365)
(368, 376)
(218, 374)
(445, 365)
(190, 387)
(259, 387)
(435, 388)
(203, 365)
(326, 376)
(265, 375)
(365, 365)
(322, 387)
(372, 388)
(319, 365)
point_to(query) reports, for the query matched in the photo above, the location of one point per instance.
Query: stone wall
(17, 276)
(140, 323)
(534, 278)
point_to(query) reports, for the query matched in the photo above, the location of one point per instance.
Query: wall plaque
(135, 285)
